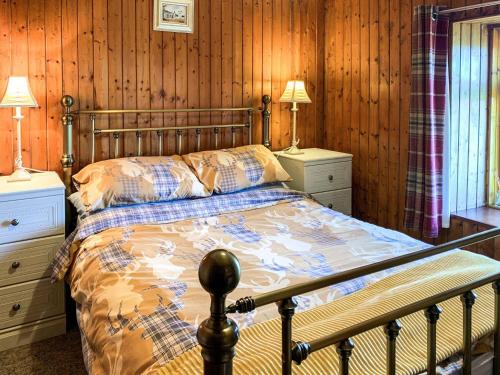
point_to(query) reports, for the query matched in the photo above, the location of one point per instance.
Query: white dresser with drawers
(325, 174)
(31, 231)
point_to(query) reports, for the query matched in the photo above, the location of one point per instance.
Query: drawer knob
(14, 222)
(15, 264)
(330, 177)
(330, 205)
(16, 307)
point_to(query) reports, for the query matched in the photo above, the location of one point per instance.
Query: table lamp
(295, 92)
(18, 94)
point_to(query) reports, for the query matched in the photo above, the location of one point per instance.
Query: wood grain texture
(462, 225)
(6, 132)
(54, 86)
(367, 94)
(355, 56)
(106, 54)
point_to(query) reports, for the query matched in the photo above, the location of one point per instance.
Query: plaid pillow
(117, 182)
(226, 171)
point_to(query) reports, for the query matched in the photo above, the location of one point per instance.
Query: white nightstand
(31, 231)
(325, 174)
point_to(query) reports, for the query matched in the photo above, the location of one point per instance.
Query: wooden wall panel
(6, 132)
(36, 74)
(53, 45)
(20, 63)
(106, 54)
(101, 71)
(367, 98)
(354, 54)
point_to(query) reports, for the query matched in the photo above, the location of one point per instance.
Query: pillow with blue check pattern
(118, 182)
(234, 169)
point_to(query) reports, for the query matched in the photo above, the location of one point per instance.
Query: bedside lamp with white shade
(18, 94)
(295, 92)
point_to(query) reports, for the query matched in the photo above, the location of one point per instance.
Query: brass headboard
(69, 115)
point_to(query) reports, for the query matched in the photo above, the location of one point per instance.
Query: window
(468, 116)
(475, 115)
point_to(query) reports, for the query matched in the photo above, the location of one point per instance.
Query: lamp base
(294, 150)
(20, 174)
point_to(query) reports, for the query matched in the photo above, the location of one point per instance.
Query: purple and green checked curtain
(428, 105)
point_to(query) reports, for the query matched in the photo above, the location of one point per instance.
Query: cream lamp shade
(295, 92)
(18, 93)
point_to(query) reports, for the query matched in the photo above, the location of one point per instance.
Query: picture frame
(173, 15)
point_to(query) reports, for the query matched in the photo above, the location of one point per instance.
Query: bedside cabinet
(325, 174)
(31, 231)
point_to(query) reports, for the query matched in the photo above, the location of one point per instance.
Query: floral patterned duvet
(133, 270)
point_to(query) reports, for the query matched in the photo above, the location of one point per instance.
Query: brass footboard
(219, 274)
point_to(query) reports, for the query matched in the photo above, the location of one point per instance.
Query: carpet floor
(61, 355)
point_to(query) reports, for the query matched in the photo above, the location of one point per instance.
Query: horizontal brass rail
(295, 290)
(167, 128)
(398, 313)
(162, 110)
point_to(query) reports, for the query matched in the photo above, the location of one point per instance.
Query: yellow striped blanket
(258, 351)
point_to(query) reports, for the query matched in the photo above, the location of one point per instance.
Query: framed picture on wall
(173, 15)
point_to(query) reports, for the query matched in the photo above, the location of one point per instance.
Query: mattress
(133, 270)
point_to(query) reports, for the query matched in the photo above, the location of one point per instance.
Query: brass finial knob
(219, 272)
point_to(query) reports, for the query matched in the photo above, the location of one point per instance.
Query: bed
(140, 274)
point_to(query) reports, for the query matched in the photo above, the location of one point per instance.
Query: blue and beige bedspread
(133, 270)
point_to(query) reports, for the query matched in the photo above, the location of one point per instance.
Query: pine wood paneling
(277, 31)
(204, 61)
(355, 56)
(227, 65)
(129, 63)
(367, 94)
(115, 68)
(157, 93)
(106, 54)
(53, 35)
(285, 71)
(101, 72)
(85, 77)
(6, 132)
(394, 113)
(193, 92)
(36, 73)
(143, 17)
(361, 203)
(20, 64)
(237, 83)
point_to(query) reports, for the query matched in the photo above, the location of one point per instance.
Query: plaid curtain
(424, 181)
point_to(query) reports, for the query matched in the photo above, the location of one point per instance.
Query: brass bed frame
(219, 271)
(69, 115)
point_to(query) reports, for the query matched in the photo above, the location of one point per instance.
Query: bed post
(219, 274)
(266, 121)
(67, 159)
